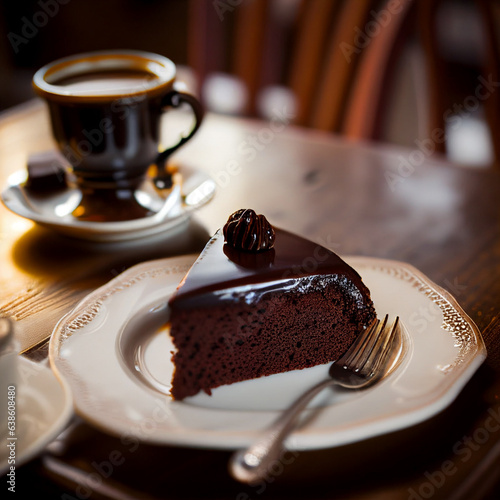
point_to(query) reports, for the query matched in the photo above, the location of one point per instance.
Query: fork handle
(253, 463)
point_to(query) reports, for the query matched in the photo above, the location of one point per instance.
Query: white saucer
(114, 352)
(43, 408)
(54, 211)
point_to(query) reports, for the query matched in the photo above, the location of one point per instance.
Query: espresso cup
(105, 111)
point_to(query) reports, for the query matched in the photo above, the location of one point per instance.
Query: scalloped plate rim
(303, 439)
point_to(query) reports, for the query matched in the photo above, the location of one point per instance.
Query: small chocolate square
(46, 172)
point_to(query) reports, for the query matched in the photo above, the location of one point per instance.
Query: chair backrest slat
(339, 66)
(371, 85)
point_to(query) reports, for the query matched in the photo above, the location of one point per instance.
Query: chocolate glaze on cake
(240, 315)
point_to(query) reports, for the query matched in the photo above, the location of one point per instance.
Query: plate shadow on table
(43, 253)
(60, 271)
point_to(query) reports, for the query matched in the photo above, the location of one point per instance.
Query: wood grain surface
(357, 199)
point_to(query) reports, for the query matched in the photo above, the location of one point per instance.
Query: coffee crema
(108, 82)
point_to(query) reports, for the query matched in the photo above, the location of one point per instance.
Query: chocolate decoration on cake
(247, 231)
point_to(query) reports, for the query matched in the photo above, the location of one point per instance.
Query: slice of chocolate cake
(260, 301)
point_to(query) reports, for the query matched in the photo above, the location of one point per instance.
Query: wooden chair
(316, 53)
(436, 77)
(228, 38)
(339, 67)
(300, 50)
(371, 85)
(441, 101)
(342, 82)
(490, 11)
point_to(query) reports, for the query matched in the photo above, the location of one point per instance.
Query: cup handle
(174, 99)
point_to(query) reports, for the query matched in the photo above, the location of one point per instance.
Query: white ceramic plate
(43, 408)
(54, 211)
(115, 354)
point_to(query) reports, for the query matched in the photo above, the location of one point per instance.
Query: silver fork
(364, 364)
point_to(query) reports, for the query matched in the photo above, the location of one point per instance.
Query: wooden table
(359, 199)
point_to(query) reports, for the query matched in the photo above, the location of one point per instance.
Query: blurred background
(421, 74)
